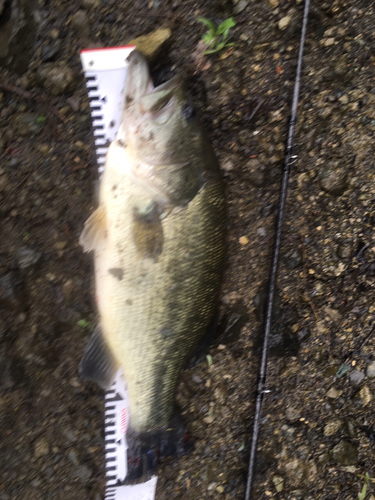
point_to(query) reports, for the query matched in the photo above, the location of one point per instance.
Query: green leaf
(225, 26)
(210, 25)
(207, 38)
(362, 495)
(83, 323)
(209, 360)
(220, 46)
(41, 119)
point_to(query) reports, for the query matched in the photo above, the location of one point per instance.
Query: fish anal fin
(94, 230)
(98, 363)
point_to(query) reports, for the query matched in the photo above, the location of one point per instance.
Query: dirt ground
(317, 437)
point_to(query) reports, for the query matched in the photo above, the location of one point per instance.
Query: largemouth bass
(159, 238)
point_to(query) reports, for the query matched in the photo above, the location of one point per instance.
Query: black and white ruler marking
(105, 72)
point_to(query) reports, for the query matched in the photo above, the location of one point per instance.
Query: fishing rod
(289, 160)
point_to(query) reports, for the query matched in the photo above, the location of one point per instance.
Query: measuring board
(105, 72)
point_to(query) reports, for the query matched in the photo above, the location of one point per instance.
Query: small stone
(153, 43)
(59, 245)
(240, 6)
(334, 393)
(284, 22)
(278, 482)
(273, 3)
(220, 489)
(56, 78)
(41, 447)
(356, 377)
(292, 414)
(293, 258)
(27, 124)
(345, 453)
(344, 99)
(366, 395)
(371, 370)
(92, 4)
(54, 34)
(244, 240)
(262, 232)
(333, 180)
(27, 257)
(329, 42)
(332, 427)
(345, 249)
(80, 22)
(50, 52)
(332, 314)
(73, 457)
(350, 427)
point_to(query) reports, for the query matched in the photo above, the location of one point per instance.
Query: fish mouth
(159, 102)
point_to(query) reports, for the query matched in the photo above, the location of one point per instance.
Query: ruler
(105, 71)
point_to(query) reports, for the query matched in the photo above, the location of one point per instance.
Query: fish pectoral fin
(94, 230)
(98, 363)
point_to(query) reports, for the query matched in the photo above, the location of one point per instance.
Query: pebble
(333, 180)
(356, 377)
(371, 370)
(27, 257)
(152, 44)
(56, 78)
(240, 7)
(292, 414)
(92, 4)
(332, 427)
(278, 482)
(345, 453)
(80, 22)
(73, 457)
(366, 395)
(50, 52)
(293, 258)
(41, 447)
(244, 240)
(334, 393)
(284, 22)
(273, 3)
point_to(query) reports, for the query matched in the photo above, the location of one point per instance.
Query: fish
(159, 242)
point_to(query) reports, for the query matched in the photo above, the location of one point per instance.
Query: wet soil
(317, 435)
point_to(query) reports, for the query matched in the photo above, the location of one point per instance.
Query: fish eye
(187, 111)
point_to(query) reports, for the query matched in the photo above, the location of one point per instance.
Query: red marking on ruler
(123, 421)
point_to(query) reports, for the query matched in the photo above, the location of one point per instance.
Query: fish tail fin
(145, 449)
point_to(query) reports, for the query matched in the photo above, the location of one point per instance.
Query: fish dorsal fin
(94, 230)
(98, 363)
